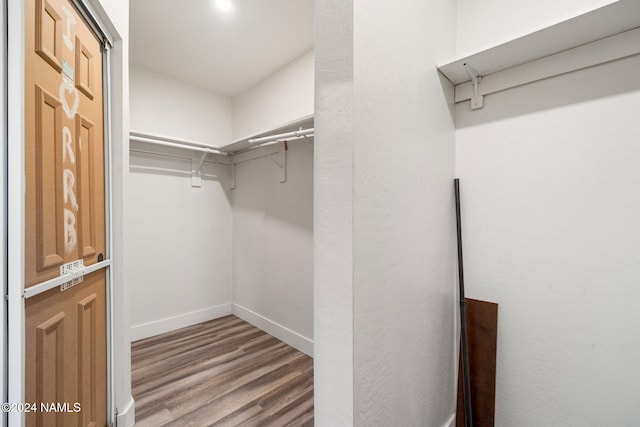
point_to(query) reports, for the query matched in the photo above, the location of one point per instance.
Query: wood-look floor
(224, 372)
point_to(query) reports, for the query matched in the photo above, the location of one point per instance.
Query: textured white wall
(403, 214)
(484, 23)
(549, 175)
(169, 107)
(282, 97)
(333, 215)
(273, 239)
(178, 237)
(385, 154)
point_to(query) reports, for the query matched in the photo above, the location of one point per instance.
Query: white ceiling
(227, 52)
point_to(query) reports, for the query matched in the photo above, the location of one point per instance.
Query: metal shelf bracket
(281, 163)
(196, 169)
(196, 172)
(477, 101)
(232, 167)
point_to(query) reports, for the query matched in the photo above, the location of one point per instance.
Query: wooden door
(65, 343)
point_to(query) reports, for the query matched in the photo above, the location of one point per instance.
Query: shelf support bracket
(229, 172)
(232, 167)
(282, 164)
(477, 101)
(283, 161)
(196, 173)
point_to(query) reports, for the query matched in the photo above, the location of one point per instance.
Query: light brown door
(66, 356)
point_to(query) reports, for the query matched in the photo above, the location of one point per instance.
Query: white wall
(403, 214)
(549, 176)
(178, 237)
(333, 215)
(118, 16)
(392, 179)
(484, 23)
(282, 97)
(169, 107)
(273, 245)
(272, 221)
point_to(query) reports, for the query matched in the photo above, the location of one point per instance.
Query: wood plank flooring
(224, 372)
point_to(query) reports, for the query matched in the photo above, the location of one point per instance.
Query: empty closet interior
(217, 223)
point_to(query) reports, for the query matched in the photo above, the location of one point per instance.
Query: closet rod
(173, 143)
(295, 134)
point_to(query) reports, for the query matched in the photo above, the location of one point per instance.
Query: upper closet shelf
(271, 144)
(249, 142)
(594, 37)
(169, 141)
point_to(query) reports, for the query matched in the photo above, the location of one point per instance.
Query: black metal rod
(468, 415)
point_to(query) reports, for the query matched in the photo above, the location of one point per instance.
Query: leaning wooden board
(482, 330)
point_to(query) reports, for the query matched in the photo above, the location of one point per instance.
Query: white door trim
(15, 208)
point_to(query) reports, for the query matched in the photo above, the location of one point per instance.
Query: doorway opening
(220, 211)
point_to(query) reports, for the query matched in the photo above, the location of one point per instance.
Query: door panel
(66, 354)
(64, 144)
(66, 339)
(85, 66)
(86, 191)
(50, 359)
(48, 36)
(87, 356)
(49, 220)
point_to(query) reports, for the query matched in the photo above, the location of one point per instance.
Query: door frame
(13, 180)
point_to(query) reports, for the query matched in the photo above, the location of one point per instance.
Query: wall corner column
(383, 214)
(333, 214)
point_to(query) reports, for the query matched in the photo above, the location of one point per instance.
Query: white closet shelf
(185, 144)
(243, 144)
(578, 41)
(170, 141)
(235, 153)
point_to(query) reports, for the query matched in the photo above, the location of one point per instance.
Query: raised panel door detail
(48, 34)
(49, 221)
(50, 368)
(64, 184)
(84, 69)
(87, 359)
(85, 167)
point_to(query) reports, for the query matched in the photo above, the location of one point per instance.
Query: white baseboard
(127, 416)
(285, 334)
(451, 422)
(167, 324)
